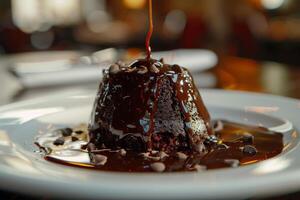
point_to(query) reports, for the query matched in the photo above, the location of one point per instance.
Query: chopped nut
(99, 159)
(129, 69)
(162, 155)
(181, 156)
(114, 69)
(158, 166)
(121, 63)
(154, 69)
(154, 158)
(123, 152)
(199, 168)
(232, 162)
(158, 64)
(147, 156)
(142, 70)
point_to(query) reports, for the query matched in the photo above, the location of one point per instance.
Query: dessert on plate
(149, 105)
(148, 116)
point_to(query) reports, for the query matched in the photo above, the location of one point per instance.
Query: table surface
(232, 73)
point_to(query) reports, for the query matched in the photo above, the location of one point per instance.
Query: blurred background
(59, 46)
(257, 41)
(260, 29)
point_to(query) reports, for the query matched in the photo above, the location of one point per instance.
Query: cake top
(144, 66)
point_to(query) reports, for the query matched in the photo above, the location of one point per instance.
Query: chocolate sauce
(227, 151)
(150, 31)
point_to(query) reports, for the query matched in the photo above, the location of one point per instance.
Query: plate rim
(291, 175)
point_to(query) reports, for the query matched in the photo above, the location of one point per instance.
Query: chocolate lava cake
(149, 105)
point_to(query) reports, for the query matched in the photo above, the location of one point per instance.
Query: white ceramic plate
(23, 170)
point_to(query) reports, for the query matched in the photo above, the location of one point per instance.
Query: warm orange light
(134, 4)
(256, 3)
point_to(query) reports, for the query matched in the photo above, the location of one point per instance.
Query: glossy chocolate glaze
(133, 101)
(231, 149)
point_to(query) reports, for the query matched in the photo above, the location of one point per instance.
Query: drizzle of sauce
(228, 152)
(150, 31)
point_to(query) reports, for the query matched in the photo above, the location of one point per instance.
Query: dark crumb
(59, 141)
(79, 132)
(249, 150)
(74, 139)
(247, 138)
(66, 132)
